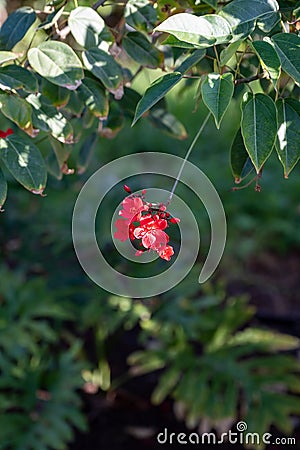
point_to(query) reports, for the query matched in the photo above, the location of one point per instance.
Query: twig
(97, 4)
(249, 79)
(187, 156)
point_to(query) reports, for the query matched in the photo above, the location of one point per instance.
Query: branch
(97, 4)
(249, 79)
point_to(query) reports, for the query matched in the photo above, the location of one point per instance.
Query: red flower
(166, 252)
(145, 221)
(4, 134)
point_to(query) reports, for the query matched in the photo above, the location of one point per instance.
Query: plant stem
(187, 156)
(76, 3)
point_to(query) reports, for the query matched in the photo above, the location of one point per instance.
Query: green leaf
(61, 151)
(268, 22)
(212, 3)
(156, 91)
(104, 67)
(86, 152)
(15, 27)
(228, 52)
(287, 46)
(3, 190)
(241, 12)
(58, 95)
(203, 31)
(166, 122)
(268, 59)
(217, 91)
(190, 61)
(7, 56)
(86, 26)
(140, 15)
(48, 118)
(95, 98)
(174, 42)
(58, 63)
(16, 109)
(240, 162)
(288, 136)
(167, 382)
(25, 162)
(259, 127)
(16, 77)
(138, 47)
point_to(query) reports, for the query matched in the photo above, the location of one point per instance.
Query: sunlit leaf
(58, 63)
(268, 59)
(16, 109)
(104, 67)
(25, 162)
(140, 15)
(86, 26)
(203, 31)
(48, 118)
(288, 136)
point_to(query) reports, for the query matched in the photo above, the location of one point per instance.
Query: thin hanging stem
(187, 156)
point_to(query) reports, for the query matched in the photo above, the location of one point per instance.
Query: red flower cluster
(145, 221)
(4, 134)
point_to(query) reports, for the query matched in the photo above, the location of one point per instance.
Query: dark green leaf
(3, 190)
(240, 162)
(104, 67)
(95, 98)
(156, 91)
(86, 26)
(16, 77)
(86, 152)
(287, 46)
(58, 63)
(217, 91)
(140, 49)
(268, 22)
(16, 26)
(58, 95)
(167, 123)
(61, 151)
(23, 159)
(288, 136)
(241, 12)
(259, 127)
(190, 61)
(268, 58)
